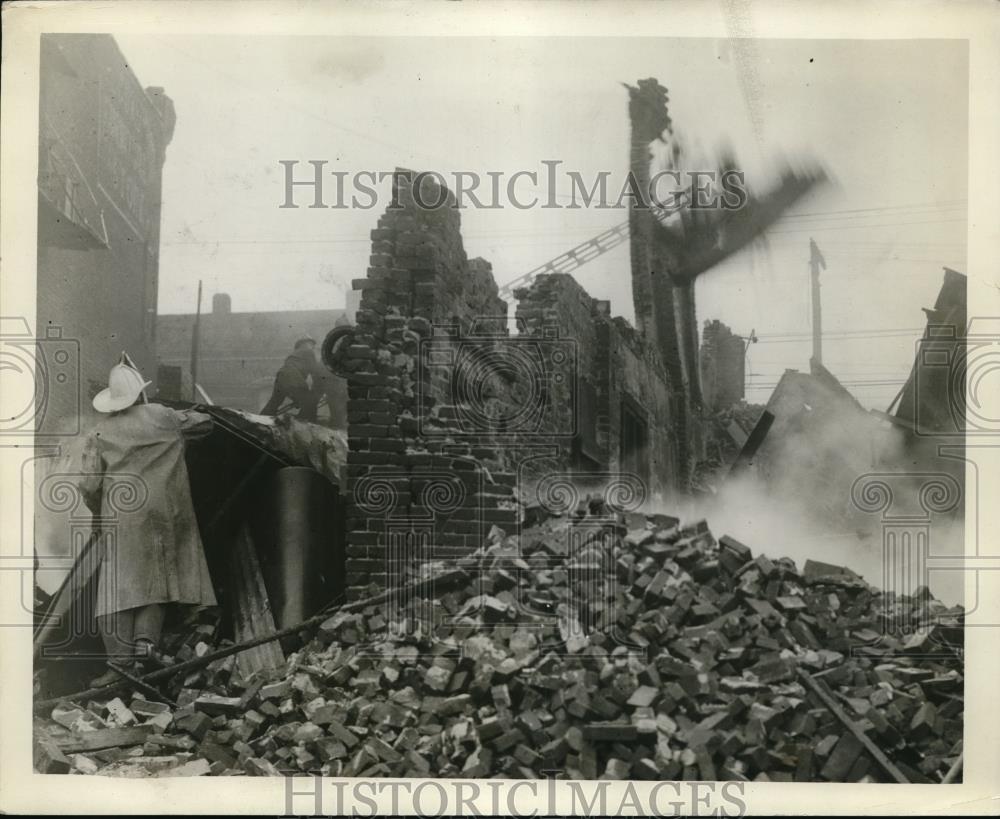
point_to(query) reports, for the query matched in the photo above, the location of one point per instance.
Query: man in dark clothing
(301, 379)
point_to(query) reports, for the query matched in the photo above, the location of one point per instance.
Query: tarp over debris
(297, 442)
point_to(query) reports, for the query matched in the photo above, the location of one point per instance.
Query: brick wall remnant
(663, 298)
(615, 367)
(669, 252)
(444, 402)
(723, 366)
(415, 490)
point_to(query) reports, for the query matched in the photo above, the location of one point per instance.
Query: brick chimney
(222, 304)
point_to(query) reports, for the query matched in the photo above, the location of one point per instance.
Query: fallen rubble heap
(599, 646)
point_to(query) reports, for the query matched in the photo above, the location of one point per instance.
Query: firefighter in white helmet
(154, 555)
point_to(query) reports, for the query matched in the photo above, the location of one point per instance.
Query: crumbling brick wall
(557, 312)
(448, 412)
(418, 486)
(614, 366)
(635, 370)
(663, 295)
(723, 370)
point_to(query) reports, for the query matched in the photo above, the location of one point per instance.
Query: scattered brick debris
(600, 645)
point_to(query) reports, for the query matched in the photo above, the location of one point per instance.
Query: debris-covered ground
(726, 432)
(621, 648)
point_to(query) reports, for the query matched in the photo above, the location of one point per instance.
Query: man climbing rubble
(301, 379)
(155, 557)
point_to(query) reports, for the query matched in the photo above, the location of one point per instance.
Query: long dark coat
(152, 548)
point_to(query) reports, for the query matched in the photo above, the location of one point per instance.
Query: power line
(859, 227)
(868, 332)
(345, 238)
(859, 337)
(847, 217)
(945, 205)
(852, 384)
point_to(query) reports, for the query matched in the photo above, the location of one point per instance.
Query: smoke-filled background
(798, 502)
(507, 104)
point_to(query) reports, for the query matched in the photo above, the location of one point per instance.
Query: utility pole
(748, 377)
(816, 263)
(195, 338)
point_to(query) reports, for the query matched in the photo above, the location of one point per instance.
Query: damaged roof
(933, 398)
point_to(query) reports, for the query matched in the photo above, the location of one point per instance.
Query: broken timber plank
(875, 752)
(105, 738)
(753, 442)
(70, 598)
(148, 689)
(954, 770)
(252, 615)
(447, 580)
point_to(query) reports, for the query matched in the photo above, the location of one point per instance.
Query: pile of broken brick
(593, 646)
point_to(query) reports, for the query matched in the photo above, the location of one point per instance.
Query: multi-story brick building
(102, 144)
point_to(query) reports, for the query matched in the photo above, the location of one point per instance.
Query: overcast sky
(888, 119)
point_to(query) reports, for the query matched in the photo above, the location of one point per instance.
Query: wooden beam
(949, 778)
(861, 736)
(902, 423)
(753, 442)
(148, 689)
(66, 597)
(447, 580)
(251, 608)
(105, 738)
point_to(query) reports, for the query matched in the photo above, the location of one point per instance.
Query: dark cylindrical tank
(303, 553)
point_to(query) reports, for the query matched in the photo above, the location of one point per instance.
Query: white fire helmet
(125, 385)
